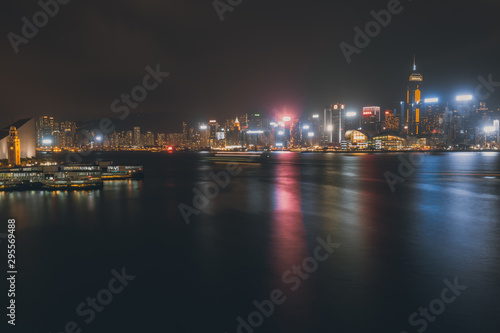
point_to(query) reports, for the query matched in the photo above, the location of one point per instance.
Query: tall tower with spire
(413, 100)
(14, 147)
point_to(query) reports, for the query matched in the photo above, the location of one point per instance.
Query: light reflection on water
(288, 237)
(396, 248)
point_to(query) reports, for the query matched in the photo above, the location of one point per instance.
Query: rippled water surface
(395, 249)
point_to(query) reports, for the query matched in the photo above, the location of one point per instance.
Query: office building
(371, 118)
(161, 140)
(44, 128)
(149, 139)
(137, 137)
(413, 102)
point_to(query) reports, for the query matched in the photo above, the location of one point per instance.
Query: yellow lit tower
(413, 101)
(14, 147)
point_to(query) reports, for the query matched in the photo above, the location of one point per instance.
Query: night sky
(264, 55)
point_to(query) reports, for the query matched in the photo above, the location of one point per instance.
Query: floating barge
(115, 172)
(238, 156)
(55, 177)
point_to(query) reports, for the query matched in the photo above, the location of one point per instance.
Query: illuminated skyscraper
(185, 131)
(315, 126)
(233, 134)
(68, 131)
(295, 132)
(137, 136)
(413, 101)
(161, 140)
(129, 138)
(391, 122)
(242, 119)
(115, 140)
(371, 118)
(328, 126)
(433, 121)
(338, 122)
(44, 128)
(150, 139)
(204, 136)
(213, 128)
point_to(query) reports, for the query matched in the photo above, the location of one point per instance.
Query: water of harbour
(395, 248)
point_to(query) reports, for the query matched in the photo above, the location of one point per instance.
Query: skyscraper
(371, 118)
(185, 136)
(328, 126)
(232, 129)
(161, 140)
(213, 128)
(391, 122)
(68, 131)
(150, 139)
(413, 101)
(137, 136)
(204, 136)
(129, 138)
(44, 128)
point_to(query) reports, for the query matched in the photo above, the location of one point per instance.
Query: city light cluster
(414, 123)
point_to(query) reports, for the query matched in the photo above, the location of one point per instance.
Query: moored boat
(12, 184)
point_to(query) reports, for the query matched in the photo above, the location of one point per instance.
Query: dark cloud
(265, 54)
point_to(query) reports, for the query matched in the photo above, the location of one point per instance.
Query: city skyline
(422, 120)
(480, 95)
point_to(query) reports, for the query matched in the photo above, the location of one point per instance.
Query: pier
(53, 176)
